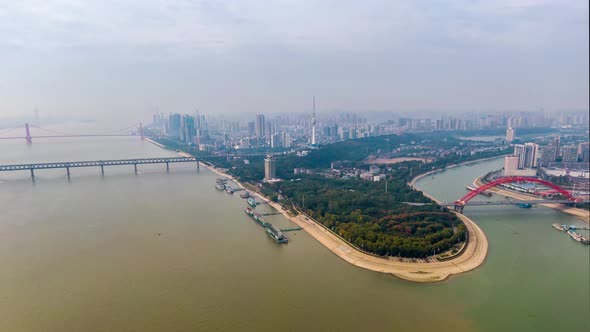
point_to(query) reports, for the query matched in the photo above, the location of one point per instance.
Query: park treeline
(373, 216)
(374, 220)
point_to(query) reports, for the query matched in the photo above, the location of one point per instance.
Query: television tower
(313, 124)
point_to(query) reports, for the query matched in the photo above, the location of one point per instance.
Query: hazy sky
(109, 58)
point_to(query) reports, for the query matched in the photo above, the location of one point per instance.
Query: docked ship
(560, 227)
(220, 186)
(258, 218)
(525, 205)
(229, 190)
(245, 194)
(252, 202)
(575, 235)
(275, 234)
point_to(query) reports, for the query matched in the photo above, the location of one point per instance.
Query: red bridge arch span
(511, 179)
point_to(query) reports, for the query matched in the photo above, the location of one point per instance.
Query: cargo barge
(276, 234)
(252, 202)
(571, 231)
(258, 218)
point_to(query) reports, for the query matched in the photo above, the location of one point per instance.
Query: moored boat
(252, 201)
(525, 205)
(220, 186)
(229, 190)
(276, 234)
(559, 227)
(245, 194)
(258, 218)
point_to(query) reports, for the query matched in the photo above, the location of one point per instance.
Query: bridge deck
(95, 163)
(512, 202)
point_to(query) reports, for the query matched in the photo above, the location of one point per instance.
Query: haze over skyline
(109, 58)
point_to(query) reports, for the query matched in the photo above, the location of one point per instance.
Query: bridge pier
(68, 172)
(167, 167)
(198, 167)
(32, 175)
(102, 170)
(135, 166)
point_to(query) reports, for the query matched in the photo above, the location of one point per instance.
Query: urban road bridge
(97, 163)
(461, 202)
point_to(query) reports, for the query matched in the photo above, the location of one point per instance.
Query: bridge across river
(97, 163)
(514, 202)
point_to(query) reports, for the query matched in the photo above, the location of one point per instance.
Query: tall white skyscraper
(270, 168)
(313, 124)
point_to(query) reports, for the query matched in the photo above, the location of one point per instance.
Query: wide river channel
(158, 251)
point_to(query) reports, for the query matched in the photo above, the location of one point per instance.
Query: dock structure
(291, 229)
(98, 163)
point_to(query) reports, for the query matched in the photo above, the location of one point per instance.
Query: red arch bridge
(461, 202)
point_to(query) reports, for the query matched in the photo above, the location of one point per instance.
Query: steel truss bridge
(97, 163)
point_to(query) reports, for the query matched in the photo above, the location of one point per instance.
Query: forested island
(373, 216)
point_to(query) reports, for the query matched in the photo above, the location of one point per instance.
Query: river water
(158, 251)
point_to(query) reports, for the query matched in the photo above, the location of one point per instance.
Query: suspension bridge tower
(28, 137)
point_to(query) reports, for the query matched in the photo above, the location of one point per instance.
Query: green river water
(163, 251)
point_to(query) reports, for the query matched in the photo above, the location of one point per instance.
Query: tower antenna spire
(313, 124)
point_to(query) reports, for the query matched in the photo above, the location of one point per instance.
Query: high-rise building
(173, 129)
(259, 125)
(509, 135)
(268, 131)
(556, 142)
(527, 155)
(187, 129)
(569, 153)
(548, 154)
(251, 128)
(275, 140)
(510, 165)
(270, 168)
(532, 155)
(286, 140)
(584, 152)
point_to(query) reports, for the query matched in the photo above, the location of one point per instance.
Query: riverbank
(155, 143)
(473, 255)
(579, 213)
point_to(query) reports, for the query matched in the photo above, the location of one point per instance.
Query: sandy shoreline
(473, 255)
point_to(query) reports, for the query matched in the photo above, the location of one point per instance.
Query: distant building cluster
(528, 157)
(190, 129)
(307, 130)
